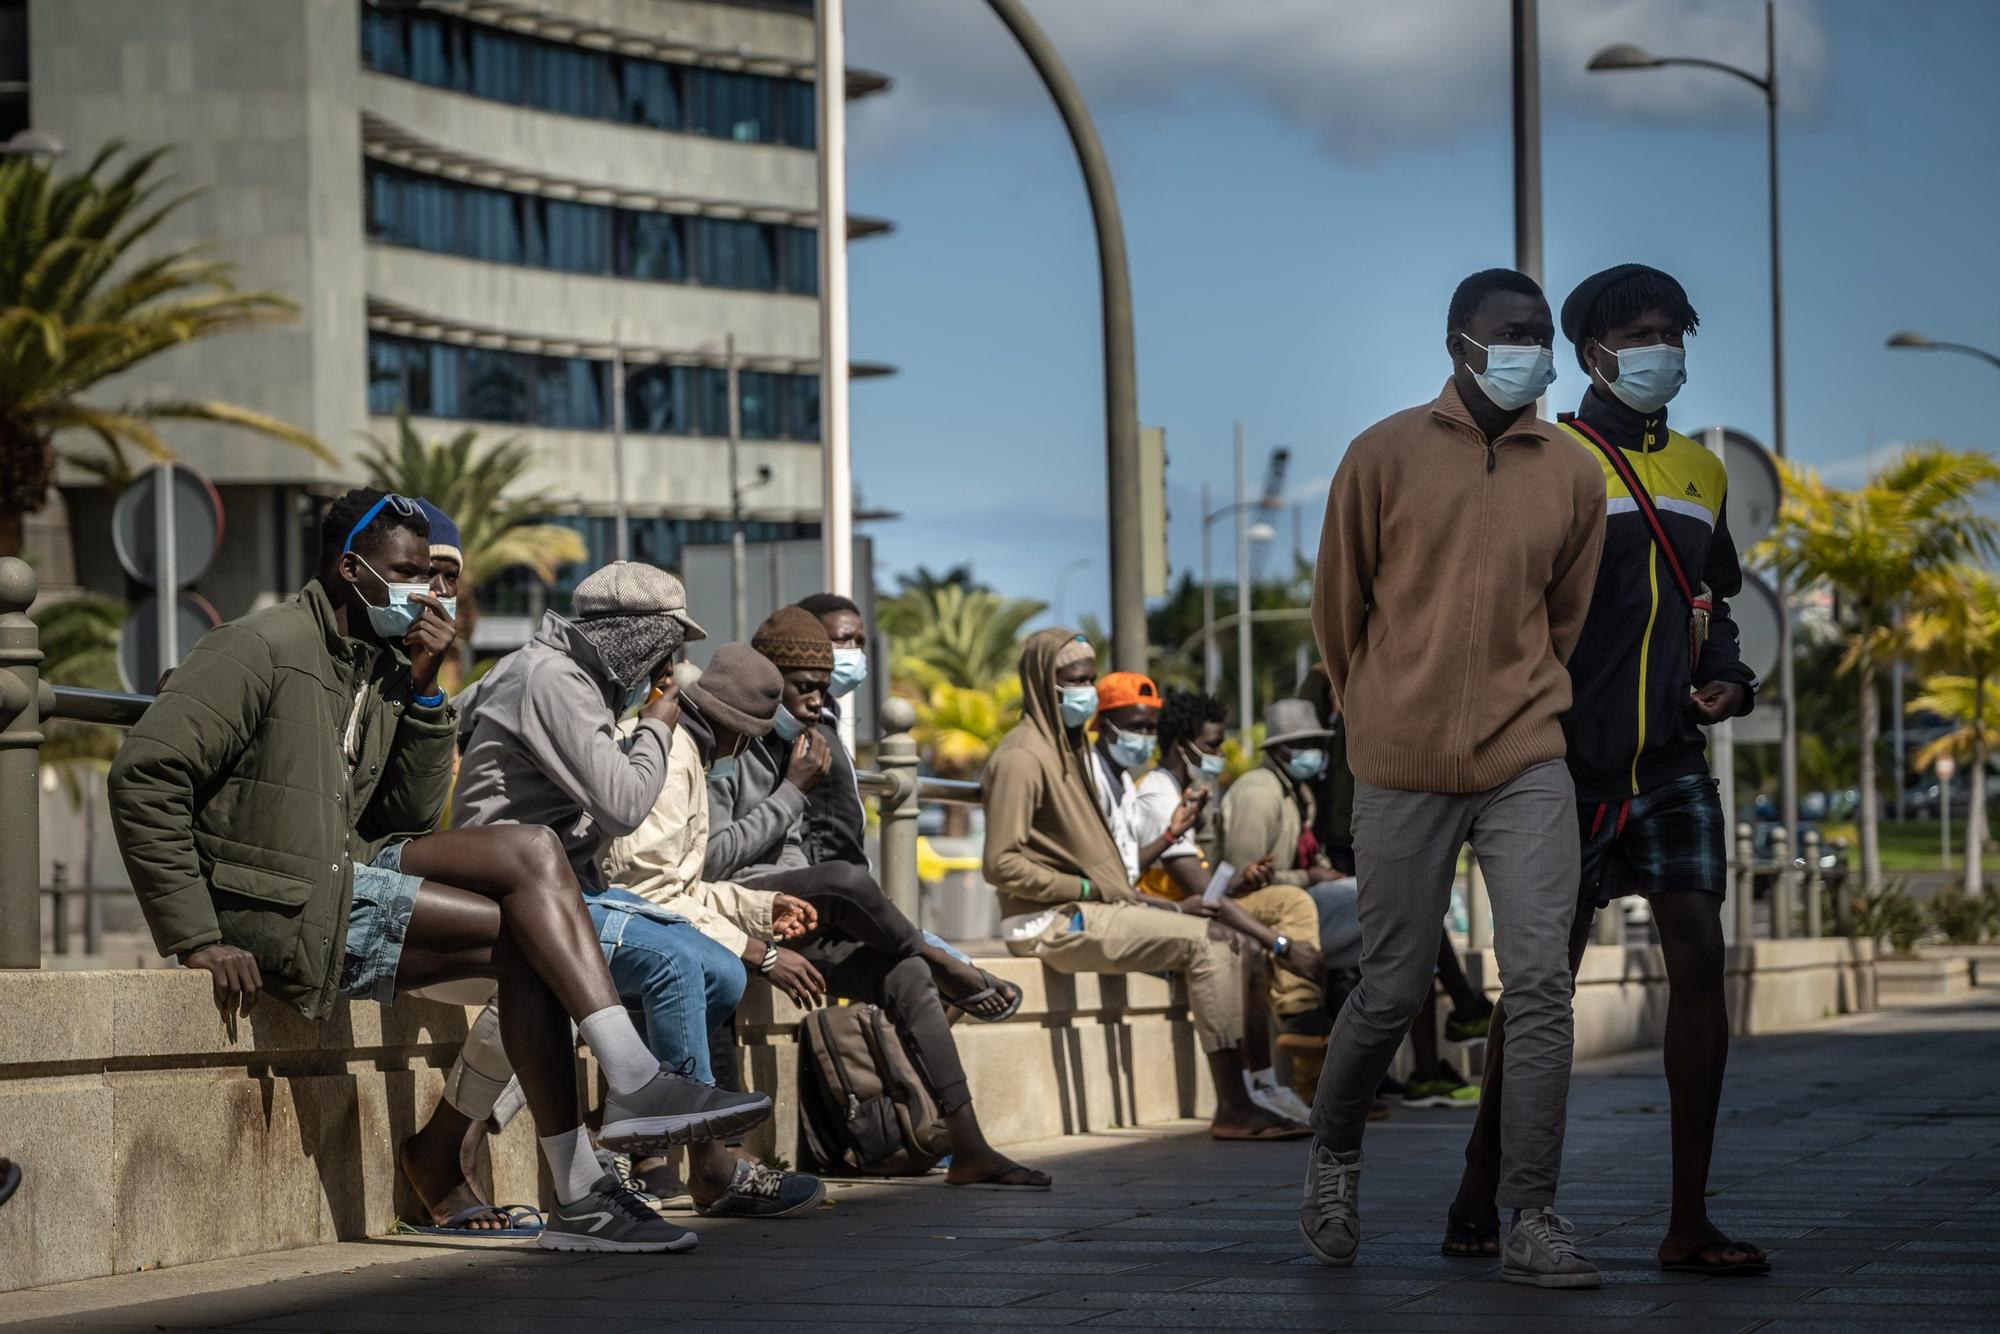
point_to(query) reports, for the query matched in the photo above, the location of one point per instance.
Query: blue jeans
(681, 981)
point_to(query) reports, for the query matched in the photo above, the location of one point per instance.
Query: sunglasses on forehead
(403, 505)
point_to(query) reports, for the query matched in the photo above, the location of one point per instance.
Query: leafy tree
(497, 531)
(76, 308)
(1876, 545)
(1955, 627)
(950, 634)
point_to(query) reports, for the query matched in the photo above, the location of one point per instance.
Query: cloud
(1360, 76)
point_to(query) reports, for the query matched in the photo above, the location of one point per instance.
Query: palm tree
(79, 643)
(951, 634)
(958, 727)
(496, 531)
(1875, 545)
(68, 322)
(1955, 627)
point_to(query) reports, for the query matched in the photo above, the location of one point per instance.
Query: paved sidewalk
(1866, 1155)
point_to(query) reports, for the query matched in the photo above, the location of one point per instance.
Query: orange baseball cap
(1118, 690)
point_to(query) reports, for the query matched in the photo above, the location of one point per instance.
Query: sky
(1303, 183)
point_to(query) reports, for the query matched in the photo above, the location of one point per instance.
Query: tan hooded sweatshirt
(1044, 833)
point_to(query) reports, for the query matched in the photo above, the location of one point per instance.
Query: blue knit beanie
(444, 533)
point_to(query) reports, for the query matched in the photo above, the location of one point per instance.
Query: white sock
(622, 1054)
(1265, 1078)
(573, 1164)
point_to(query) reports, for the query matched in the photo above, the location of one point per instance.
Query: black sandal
(1471, 1240)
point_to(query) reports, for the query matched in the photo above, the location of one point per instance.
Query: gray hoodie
(540, 746)
(756, 817)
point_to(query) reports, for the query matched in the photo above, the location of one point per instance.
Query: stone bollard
(896, 756)
(1746, 883)
(1781, 884)
(20, 771)
(59, 909)
(1815, 883)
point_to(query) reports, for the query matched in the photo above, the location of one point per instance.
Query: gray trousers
(1406, 848)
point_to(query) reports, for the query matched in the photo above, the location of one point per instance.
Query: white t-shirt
(1152, 809)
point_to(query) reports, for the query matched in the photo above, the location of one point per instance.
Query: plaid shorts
(1668, 838)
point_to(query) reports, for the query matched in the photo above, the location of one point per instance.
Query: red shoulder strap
(1641, 498)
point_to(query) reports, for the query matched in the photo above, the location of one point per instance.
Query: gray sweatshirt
(756, 817)
(540, 746)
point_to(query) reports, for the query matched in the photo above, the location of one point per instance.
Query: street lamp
(1245, 535)
(1910, 338)
(1625, 56)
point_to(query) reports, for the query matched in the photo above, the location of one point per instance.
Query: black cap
(1576, 306)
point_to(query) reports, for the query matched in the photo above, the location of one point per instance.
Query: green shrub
(1965, 919)
(1890, 915)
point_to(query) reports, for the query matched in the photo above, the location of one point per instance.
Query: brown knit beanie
(792, 637)
(740, 690)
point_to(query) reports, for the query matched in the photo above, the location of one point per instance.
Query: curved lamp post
(1910, 338)
(1625, 56)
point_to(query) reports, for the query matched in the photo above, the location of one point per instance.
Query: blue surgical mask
(1514, 376)
(786, 726)
(1078, 704)
(394, 621)
(450, 606)
(1209, 766)
(1305, 765)
(1648, 377)
(636, 696)
(850, 669)
(723, 767)
(1129, 750)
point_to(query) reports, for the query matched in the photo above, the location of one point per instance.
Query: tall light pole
(1211, 674)
(1910, 338)
(1527, 140)
(836, 460)
(1625, 56)
(1121, 378)
(1244, 696)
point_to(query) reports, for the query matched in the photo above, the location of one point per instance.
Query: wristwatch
(1281, 947)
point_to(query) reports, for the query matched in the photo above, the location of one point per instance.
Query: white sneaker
(1279, 1101)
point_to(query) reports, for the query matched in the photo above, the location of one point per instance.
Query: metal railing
(26, 701)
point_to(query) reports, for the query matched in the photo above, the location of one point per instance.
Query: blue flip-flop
(521, 1222)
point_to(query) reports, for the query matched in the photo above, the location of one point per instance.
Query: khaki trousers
(1131, 938)
(1289, 911)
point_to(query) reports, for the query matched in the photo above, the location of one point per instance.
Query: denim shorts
(376, 925)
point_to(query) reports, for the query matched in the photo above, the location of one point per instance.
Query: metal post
(1815, 884)
(622, 527)
(167, 580)
(1121, 377)
(1245, 697)
(739, 592)
(836, 459)
(59, 909)
(1788, 741)
(20, 771)
(1210, 669)
(896, 756)
(1781, 884)
(1527, 141)
(1743, 920)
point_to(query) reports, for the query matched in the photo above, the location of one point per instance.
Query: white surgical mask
(850, 669)
(450, 606)
(1078, 704)
(1515, 376)
(1306, 765)
(1129, 750)
(1648, 377)
(394, 621)
(1208, 766)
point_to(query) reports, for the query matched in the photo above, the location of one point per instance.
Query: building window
(448, 217)
(433, 379)
(499, 65)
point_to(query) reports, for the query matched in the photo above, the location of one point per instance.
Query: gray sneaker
(673, 1109)
(613, 1217)
(1539, 1251)
(1328, 1219)
(758, 1191)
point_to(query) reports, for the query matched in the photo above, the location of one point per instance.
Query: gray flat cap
(632, 588)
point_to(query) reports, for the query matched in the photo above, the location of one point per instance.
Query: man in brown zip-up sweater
(1455, 568)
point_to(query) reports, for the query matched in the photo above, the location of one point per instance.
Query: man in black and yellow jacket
(1645, 679)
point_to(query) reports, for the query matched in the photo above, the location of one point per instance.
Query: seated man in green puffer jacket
(275, 809)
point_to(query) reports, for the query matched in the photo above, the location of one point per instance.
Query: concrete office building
(470, 200)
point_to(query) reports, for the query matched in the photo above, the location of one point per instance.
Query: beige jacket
(1261, 819)
(661, 860)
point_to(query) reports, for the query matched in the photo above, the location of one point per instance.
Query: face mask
(1078, 704)
(786, 726)
(850, 669)
(450, 606)
(1305, 765)
(636, 696)
(393, 621)
(1209, 766)
(724, 767)
(1129, 750)
(1514, 376)
(1648, 377)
